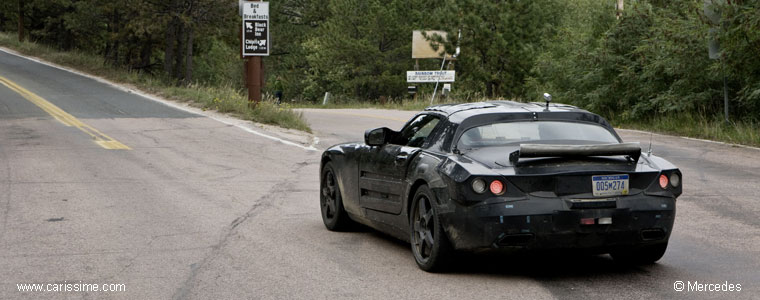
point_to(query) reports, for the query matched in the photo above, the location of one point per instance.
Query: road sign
(430, 76)
(422, 48)
(255, 28)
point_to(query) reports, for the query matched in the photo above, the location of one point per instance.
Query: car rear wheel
(430, 246)
(643, 255)
(331, 202)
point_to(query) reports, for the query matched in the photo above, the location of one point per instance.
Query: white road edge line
(225, 120)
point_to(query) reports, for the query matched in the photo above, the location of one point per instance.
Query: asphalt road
(102, 186)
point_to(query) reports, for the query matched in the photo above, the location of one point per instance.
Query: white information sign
(255, 28)
(430, 76)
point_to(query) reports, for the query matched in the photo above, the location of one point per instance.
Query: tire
(331, 202)
(644, 255)
(431, 248)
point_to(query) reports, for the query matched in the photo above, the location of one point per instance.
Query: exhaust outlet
(515, 239)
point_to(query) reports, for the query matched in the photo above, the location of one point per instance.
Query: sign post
(255, 43)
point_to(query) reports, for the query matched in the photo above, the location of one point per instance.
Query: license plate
(609, 185)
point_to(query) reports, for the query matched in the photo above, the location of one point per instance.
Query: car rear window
(498, 134)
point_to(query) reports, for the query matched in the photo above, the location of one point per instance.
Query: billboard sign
(421, 44)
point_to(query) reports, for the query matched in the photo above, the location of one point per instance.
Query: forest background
(646, 66)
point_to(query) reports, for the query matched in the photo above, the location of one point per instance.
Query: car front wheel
(430, 246)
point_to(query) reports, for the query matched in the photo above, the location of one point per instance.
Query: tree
(652, 60)
(740, 42)
(292, 23)
(183, 20)
(500, 41)
(363, 48)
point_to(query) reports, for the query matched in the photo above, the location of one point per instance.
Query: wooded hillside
(653, 59)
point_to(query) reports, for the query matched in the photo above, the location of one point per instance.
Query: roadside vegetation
(645, 66)
(648, 69)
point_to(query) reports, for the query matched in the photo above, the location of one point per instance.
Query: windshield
(501, 134)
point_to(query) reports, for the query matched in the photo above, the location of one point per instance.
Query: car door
(382, 169)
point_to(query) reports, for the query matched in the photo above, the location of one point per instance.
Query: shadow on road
(545, 265)
(542, 265)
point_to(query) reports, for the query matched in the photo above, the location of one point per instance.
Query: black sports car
(503, 174)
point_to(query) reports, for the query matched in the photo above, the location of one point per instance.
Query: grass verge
(701, 127)
(419, 103)
(226, 99)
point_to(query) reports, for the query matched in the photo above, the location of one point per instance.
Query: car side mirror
(377, 136)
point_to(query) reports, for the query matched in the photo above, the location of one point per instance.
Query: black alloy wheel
(430, 246)
(333, 214)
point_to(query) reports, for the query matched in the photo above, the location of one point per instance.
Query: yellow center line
(360, 115)
(100, 138)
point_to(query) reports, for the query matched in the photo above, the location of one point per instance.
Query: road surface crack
(262, 202)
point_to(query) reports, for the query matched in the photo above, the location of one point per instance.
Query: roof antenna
(548, 99)
(649, 152)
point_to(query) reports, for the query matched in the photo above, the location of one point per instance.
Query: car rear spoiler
(632, 150)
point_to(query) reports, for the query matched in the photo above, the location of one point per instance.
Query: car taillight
(479, 186)
(675, 180)
(663, 181)
(497, 188)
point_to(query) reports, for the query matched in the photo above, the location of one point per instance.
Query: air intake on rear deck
(633, 150)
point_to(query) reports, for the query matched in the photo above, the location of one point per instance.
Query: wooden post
(253, 81)
(253, 78)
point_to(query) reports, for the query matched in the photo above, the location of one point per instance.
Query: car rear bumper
(553, 223)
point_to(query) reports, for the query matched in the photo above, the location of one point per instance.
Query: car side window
(415, 133)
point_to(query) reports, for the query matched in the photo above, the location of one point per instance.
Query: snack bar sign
(255, 28)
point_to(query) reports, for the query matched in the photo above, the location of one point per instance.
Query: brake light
(497, 188)
(663, 181)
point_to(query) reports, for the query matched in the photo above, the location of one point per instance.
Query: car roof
(501, 106)
(468, 115)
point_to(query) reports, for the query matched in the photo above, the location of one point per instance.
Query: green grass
(695, 126)
(407, 104)
(419, 103)
(225, 99)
